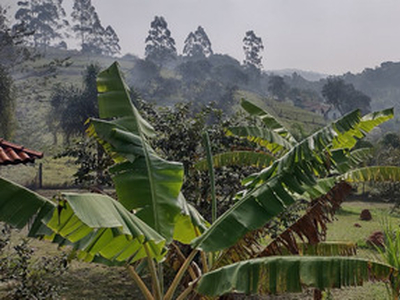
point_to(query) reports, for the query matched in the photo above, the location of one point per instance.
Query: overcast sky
(327, 36)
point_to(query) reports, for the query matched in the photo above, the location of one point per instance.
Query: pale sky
(327, 36)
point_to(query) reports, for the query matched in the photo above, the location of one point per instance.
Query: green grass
(56, 172)
(343, 229)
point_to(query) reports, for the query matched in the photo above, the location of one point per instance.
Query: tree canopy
(197, 44)
(88, 28)
(344, 97)
(44, 18)
(160, 46)
(252, 47)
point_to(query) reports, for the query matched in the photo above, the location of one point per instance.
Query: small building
(12, 154)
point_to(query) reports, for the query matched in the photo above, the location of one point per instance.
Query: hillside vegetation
(219, 79)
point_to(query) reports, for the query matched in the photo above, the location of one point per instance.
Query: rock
(365, 215)
(377, 238)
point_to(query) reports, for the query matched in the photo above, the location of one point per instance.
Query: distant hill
(308, 75)
(382, 84)
(218, 78)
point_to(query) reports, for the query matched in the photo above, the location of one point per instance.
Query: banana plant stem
(142, 286)
(153, 273)
(179, 275)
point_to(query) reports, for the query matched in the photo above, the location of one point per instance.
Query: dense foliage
(152, 212)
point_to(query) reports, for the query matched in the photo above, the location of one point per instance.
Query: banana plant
(150, 212)
(331, 148)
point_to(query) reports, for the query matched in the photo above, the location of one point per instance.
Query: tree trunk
(317, 294)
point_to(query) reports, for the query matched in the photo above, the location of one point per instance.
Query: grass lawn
(343, 229)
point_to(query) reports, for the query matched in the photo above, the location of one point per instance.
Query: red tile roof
(12, 154)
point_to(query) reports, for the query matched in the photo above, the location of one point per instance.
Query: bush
(25, 277)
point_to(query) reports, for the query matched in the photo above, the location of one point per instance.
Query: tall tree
(82, 15)
(277, 87)
(111, 42)
(252, 46)
(197, 44)
(10, 54)
(45, 18)
(88, 28)
(7, 104)
(71, 103)
(344, 97)
(160, 46)
(95, 40)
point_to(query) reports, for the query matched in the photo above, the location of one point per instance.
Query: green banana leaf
(115, 102)
(144, 181)
(281, 274)
(365, 174)
(348, 139)
(315, 150)
(189, 224)
(238, 158)
(270, 121)
(19, 205)
(310, 227)
(372, 174)
(264, 137)
(346, 160)
(96, 225)
(321, 249)
(329, 249)
(272, 190)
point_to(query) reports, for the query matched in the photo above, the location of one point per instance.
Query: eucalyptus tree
(252, 47)
(111, 42)
(44, 18)
(197, 44)
(83, 15)
(88, 28)
(151, 212)
(160, 46)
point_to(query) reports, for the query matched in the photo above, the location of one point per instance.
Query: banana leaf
(264, 137)
(238, 158)
(99, 227)
(143, 180)
(270, 121)
(280, 274)
(272, 190)
(372, 174)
